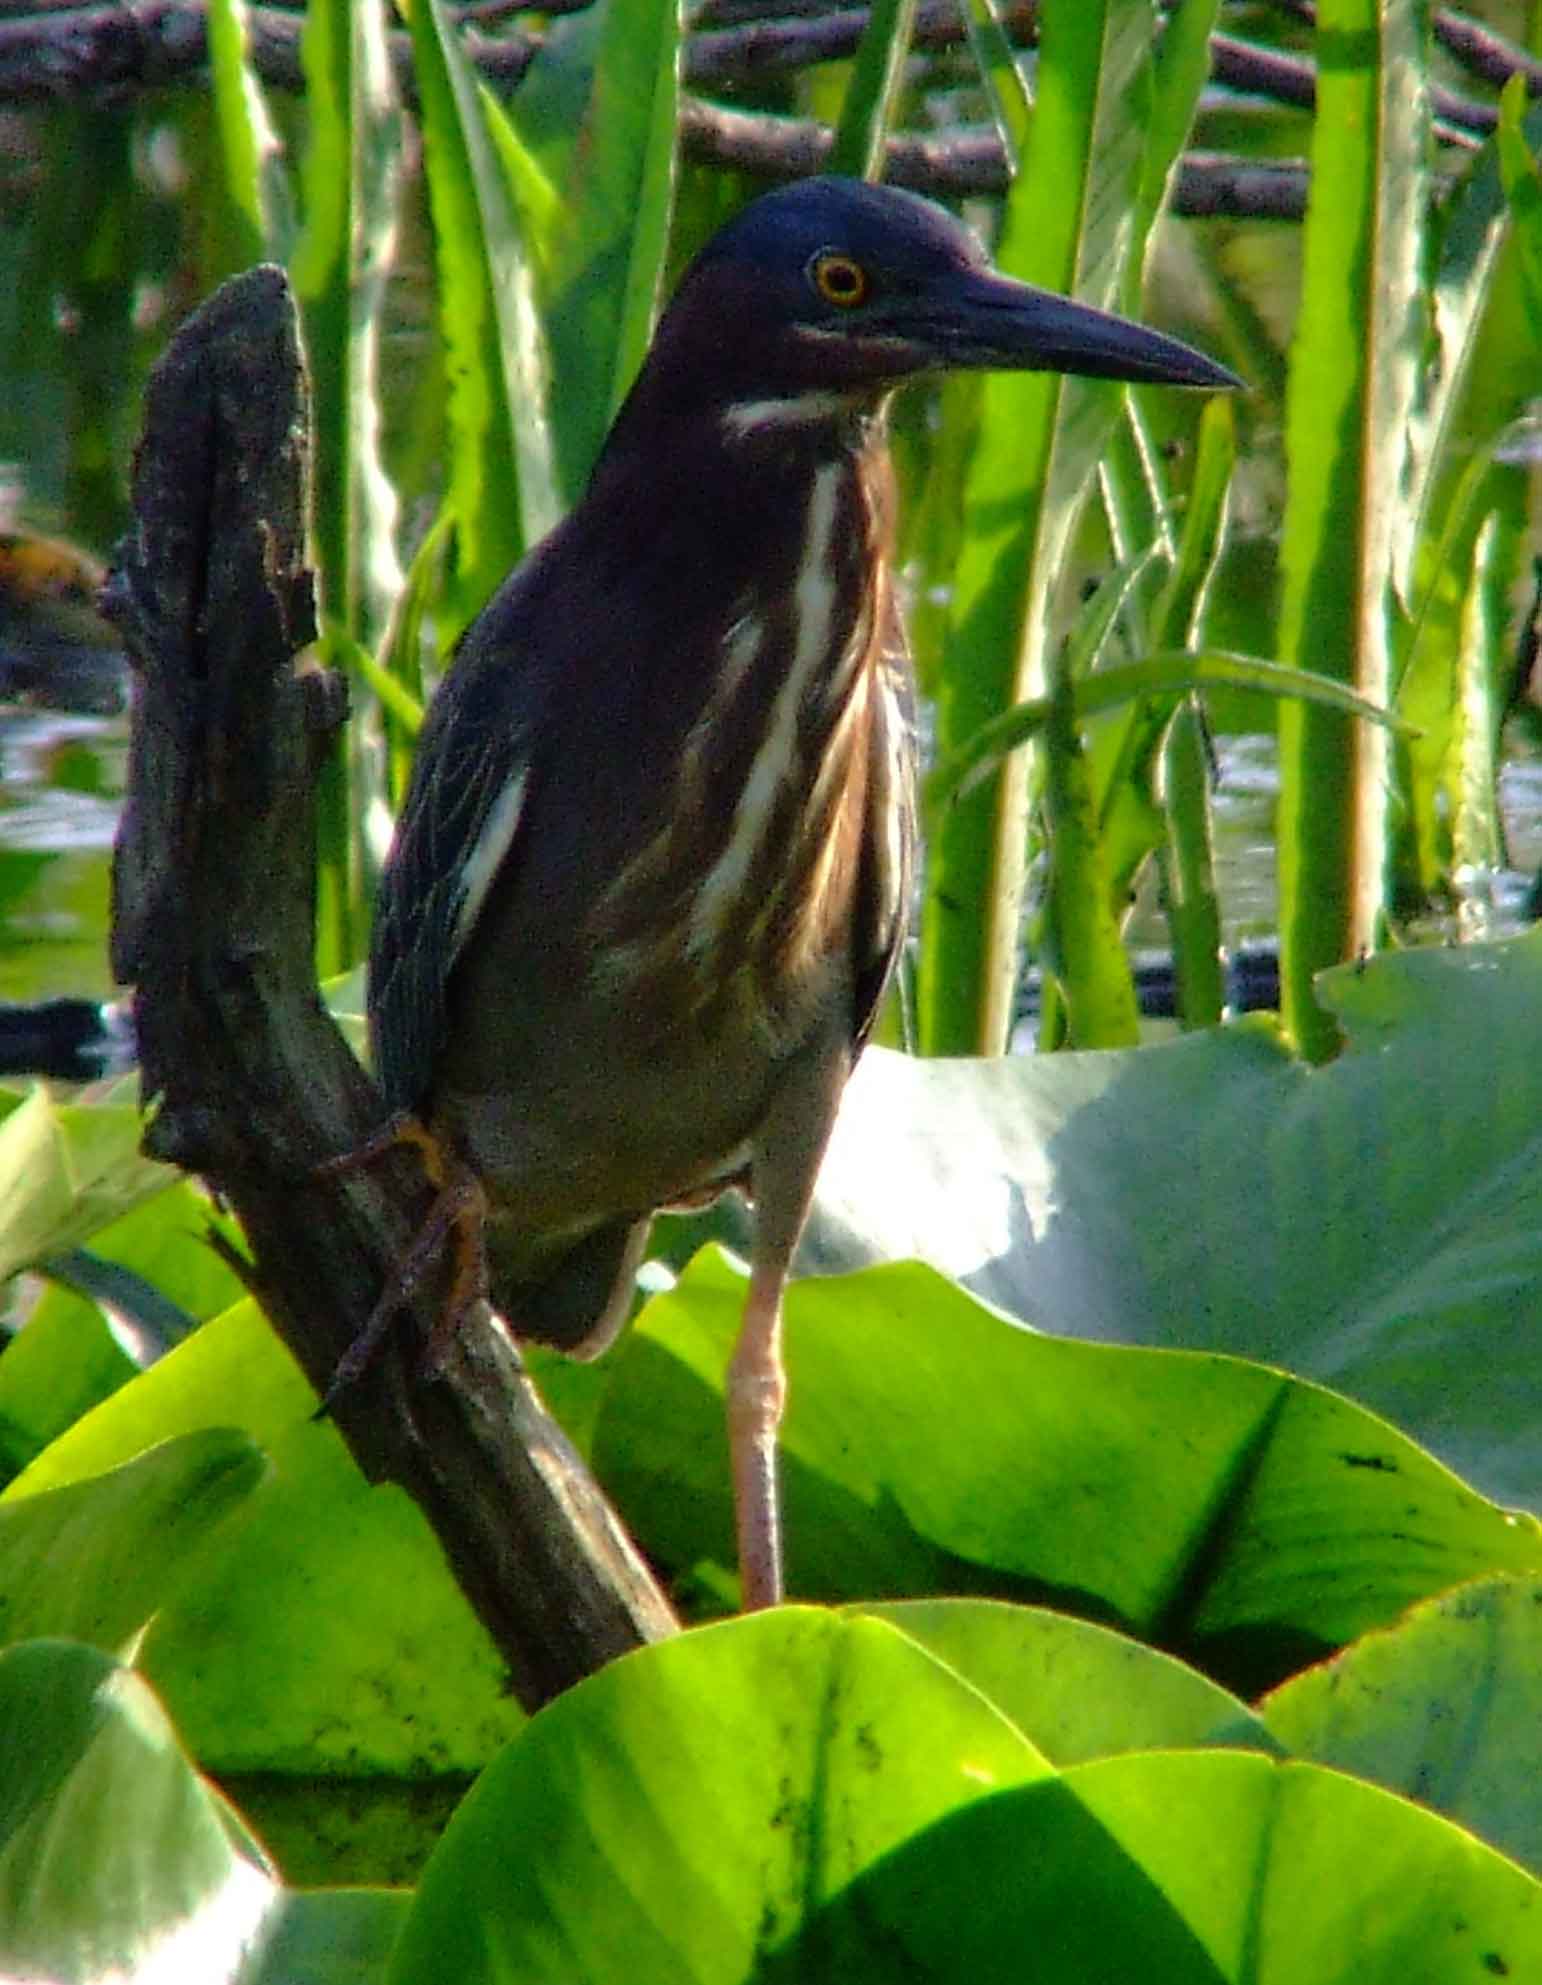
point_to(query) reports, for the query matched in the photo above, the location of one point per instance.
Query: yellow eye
(839, 280)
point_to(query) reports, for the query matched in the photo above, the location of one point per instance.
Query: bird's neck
(778, 635)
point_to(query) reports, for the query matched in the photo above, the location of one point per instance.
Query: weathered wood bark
(249, 1080)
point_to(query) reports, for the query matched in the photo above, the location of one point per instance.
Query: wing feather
(466, 804)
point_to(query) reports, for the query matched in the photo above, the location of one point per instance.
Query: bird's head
(832, 290)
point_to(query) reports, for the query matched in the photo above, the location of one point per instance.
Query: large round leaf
(1185, 1867)
(1218, 1508)
(1375, 1224)
(1446, 1707)
(67, 1169)
(1075, 1689)
(684, 1813)
(116, 1861)
(801, 1797)
(325, 1654)
(94, 1560)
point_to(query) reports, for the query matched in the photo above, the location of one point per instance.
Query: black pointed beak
(983, 321)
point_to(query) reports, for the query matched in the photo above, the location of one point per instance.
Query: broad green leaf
(1359, 350)
(328, 1937)
(77, 1348)
(67, 1169)
(1223, 1510)
(1444, 1707)
(116, 1860)
(1376, 1225)
(93, 1561)
(63, 1362)
(690, 1811)
(797, 1797)
(1076, 1690)
(1183, 1866)
(359, 1661)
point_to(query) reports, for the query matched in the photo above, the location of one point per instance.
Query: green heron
(651, 877)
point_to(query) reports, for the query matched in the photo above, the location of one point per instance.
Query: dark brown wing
(470, 795)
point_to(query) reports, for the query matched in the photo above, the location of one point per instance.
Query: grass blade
(502, 478)
(872, 95)
(598, 111)
(1360, 344)
(1067, 227)
(339, 271)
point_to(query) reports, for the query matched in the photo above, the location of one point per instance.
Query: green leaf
(1359, 351)
(610, 234)
(1514, 139)
(1001, 77)
(1224, 1510)
(253, 188)
(1076, 1690)
(1167, 675)
(328, 1937)
(67, 1169)
(322, 1639)
(1472, 225)
(95, 1560)
(872, 95)
(1376, 1225)
(1186, 1866)
(503, 480)
(1038, 442)
(1187, 869)
(116, 1860)
(339, 270)
(1182, 70)
(799, 1797)
(1445, 1707)
(75, 1350)
(716, 1791)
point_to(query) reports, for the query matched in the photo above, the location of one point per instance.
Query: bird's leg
(786, 1162)
(457, 1215)
(399, 1129)
(757, 1394)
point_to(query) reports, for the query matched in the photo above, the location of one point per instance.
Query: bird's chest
(739, 896)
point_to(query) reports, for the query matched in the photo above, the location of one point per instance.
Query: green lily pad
(1231, 1513)
(1445, 1707)
(94, 1560)
(680, 1814)
(1375, 1224)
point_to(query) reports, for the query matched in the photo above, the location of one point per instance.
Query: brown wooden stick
(250, 1082)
